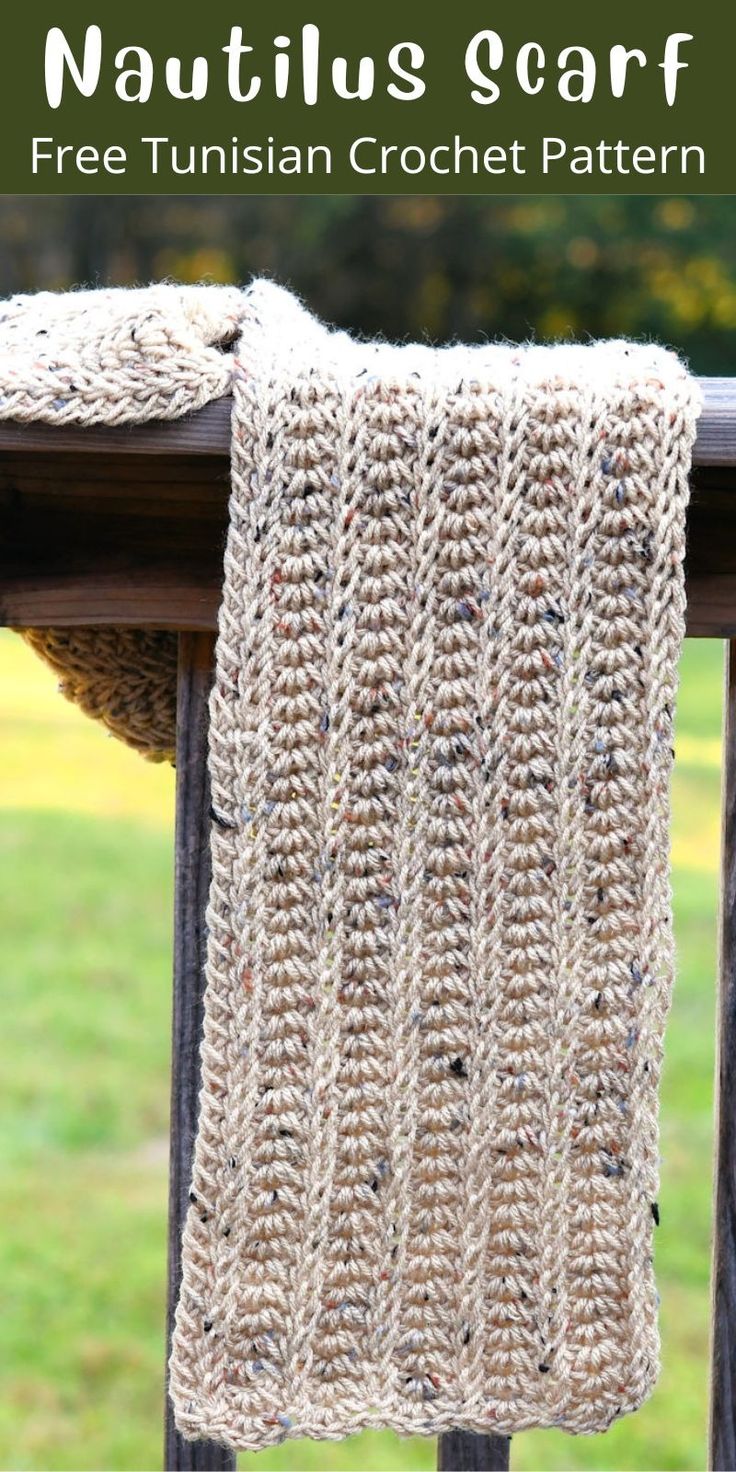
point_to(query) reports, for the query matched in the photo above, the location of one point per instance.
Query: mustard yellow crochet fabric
(440, 935)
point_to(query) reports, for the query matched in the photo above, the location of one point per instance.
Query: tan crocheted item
(125, 678)
(440, 938)
(116, 357)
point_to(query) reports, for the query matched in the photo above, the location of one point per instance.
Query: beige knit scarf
(440, 937)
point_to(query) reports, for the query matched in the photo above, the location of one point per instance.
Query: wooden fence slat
(462, 1451)
(192, 879)
(723, 1317)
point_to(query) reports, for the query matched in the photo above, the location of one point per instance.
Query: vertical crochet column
(439, 953)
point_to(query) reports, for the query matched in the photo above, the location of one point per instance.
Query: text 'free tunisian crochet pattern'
(440, 932)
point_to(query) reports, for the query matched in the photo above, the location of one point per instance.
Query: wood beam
(127, 525)
(207, 432)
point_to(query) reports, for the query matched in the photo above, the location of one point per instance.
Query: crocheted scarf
(440, 933)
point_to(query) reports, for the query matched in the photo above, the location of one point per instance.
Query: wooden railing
(126, 526)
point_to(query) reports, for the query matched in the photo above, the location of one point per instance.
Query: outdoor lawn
(85, 915)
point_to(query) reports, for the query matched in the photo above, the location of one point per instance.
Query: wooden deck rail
(126, 526)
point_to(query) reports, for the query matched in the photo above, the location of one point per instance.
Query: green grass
(85, 916)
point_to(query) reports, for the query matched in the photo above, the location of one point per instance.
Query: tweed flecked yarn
(125, 678)
(440, 932)
(116, 357)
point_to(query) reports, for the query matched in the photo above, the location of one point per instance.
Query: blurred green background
(429, 266)
(86, 827)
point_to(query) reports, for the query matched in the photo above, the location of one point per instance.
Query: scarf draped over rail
(440, 931)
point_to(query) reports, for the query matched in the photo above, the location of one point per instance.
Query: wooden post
(723, 1318)
(192, 879)
(462, 1451)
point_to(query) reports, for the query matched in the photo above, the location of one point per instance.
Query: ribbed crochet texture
(117, 357)
(440, 937)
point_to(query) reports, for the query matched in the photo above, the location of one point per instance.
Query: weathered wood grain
(105, 538)
(716, 438)
(192, 878)
(461, 1451)
(204, 433)
(113, 538)
(723, 1317)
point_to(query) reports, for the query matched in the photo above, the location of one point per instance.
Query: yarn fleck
(440, 935)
